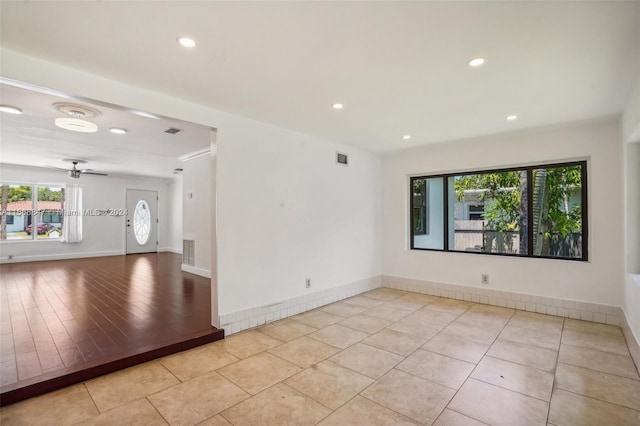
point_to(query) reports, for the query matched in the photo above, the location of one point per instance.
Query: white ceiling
(399, 67)
(32, 138)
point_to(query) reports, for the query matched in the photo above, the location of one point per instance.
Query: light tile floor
(386, 357)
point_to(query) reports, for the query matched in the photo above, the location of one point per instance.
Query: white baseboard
(176, 250)
(606, 314)
(596, 312)
(253, 317)
(60, 256)
(197, 271)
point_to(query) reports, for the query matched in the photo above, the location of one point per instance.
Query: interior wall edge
(633, 342)
(567, 308)
(197, 271)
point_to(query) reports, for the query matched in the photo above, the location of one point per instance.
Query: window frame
(424, 216)
(35, 219)
(529, 169)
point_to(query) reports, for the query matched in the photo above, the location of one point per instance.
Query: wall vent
(342, 159)
(172, 130)
(189, 252)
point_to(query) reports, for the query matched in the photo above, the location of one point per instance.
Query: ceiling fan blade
(58, 168)
(87, 172)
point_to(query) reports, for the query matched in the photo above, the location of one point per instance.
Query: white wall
(306, 217)
(102, 235)
(196, 201)
(175, 215)
(598, 280)
(287, 211)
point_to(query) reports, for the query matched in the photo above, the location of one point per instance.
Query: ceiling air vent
(342, 159)
(172, 130)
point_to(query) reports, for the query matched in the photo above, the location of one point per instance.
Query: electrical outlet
(10, 257)
(485, 279)
(308, 282)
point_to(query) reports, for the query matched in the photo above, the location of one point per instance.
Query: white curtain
(72, 226)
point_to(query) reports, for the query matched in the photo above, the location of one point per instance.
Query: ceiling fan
(74, 172)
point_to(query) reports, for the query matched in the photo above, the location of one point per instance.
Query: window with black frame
(534, 211)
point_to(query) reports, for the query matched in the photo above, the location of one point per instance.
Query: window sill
(21, 241)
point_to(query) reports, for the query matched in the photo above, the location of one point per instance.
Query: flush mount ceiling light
(118, 131)
(10, 109)
(406, 137)
(337, 106)
(76, 110)
(512, 117)
(186, 42)
(476, 62)
(76, 125)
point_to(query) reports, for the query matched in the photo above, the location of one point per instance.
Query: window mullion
(445, 200)
(34, 212)
(530, 235)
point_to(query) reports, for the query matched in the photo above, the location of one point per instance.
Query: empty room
(335, 213)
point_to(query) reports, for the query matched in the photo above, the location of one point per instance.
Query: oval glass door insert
(142, 222)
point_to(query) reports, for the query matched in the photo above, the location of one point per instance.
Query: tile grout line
(93, 401)
(342, 350)
(476, 366)
(600, 400)
(146, 398)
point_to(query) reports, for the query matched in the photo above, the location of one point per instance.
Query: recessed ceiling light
(76, 125)
(186, 42)
(512, 117)
(476, 62)
(10, 109)
(406, 137)
(118, 131)
(337, 106)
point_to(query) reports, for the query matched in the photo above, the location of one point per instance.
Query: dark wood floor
(83, 317)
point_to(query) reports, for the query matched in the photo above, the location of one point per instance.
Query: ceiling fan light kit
(76, 125)
(74, 172)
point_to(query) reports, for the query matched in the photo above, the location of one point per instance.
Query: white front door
(142, 221)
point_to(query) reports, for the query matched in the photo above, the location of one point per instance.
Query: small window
(428, 213)
(558, 212)
(476, 212)
(420, 225)
(50, 204)
(33, 212)
(19, 206)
